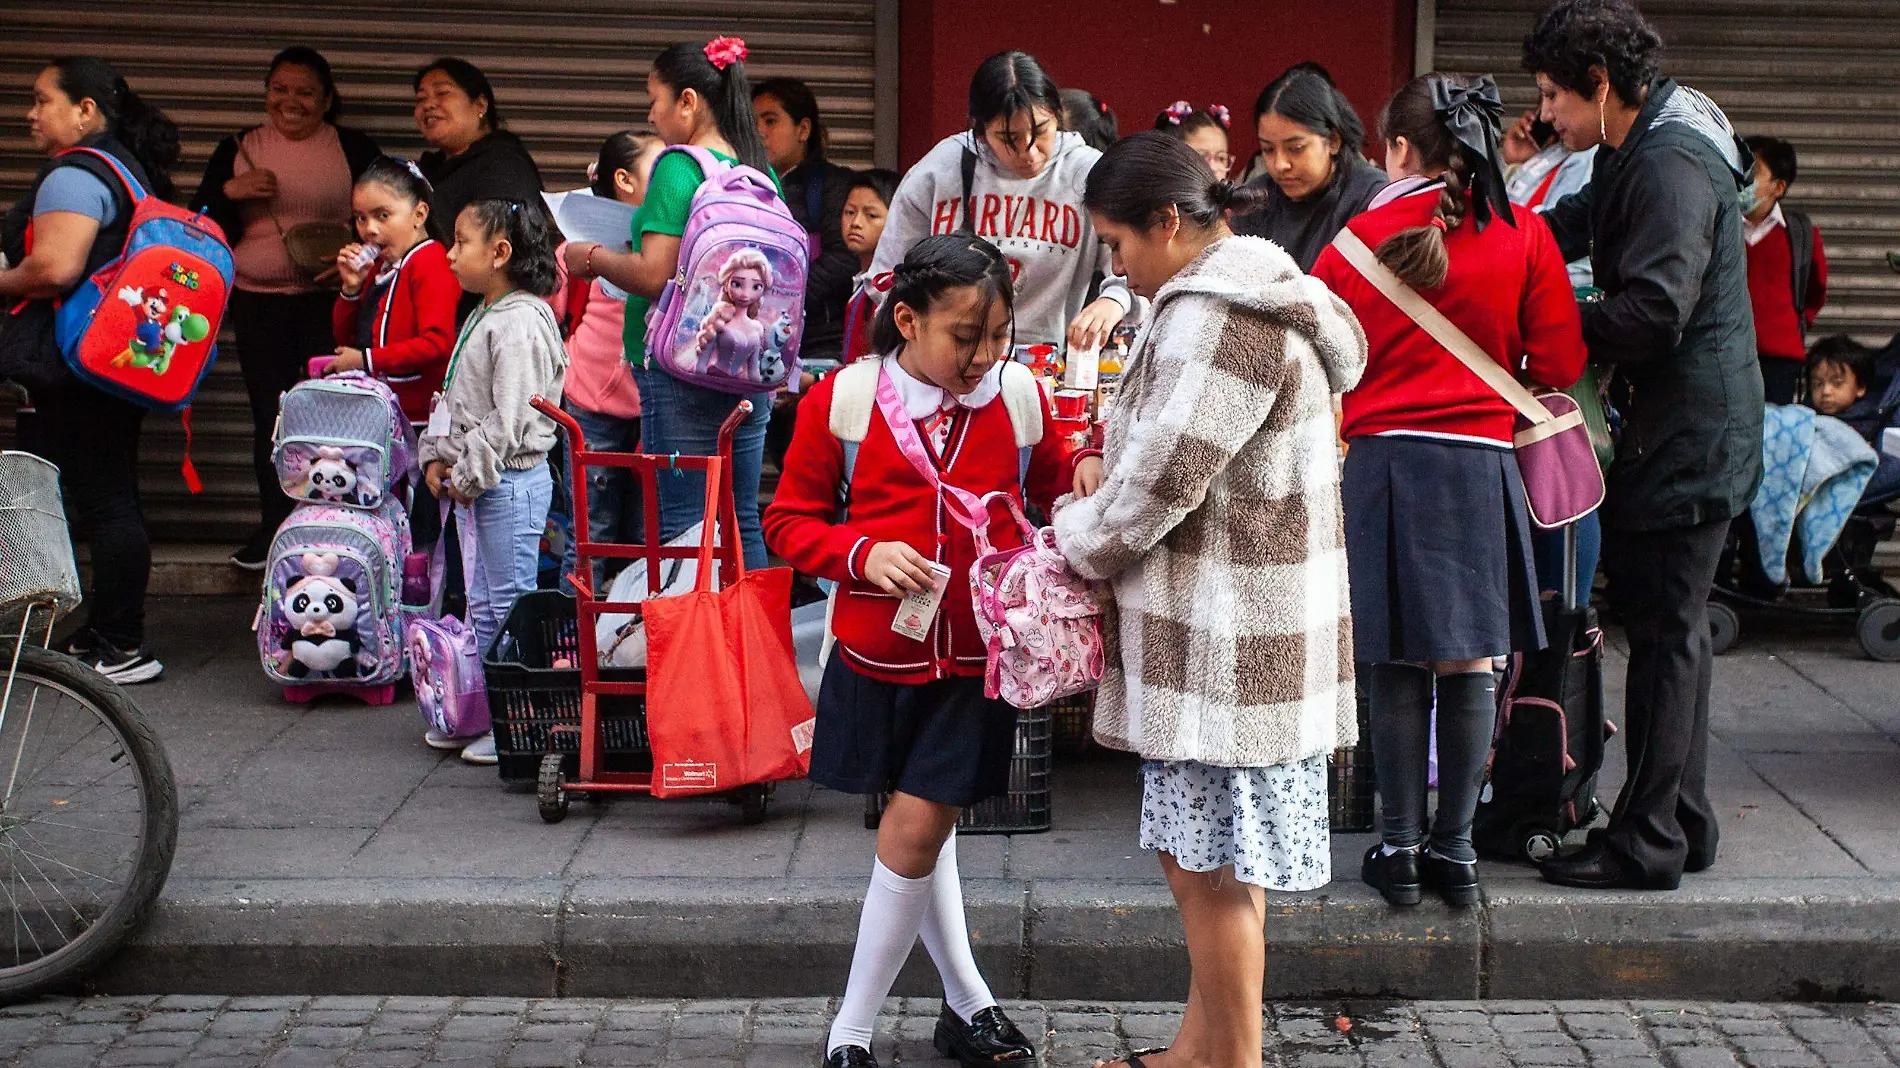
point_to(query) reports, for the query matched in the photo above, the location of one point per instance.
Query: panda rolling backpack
(342, 440)
(331, 619)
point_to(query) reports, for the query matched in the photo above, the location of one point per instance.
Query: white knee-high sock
(947, 937)
(894, 909)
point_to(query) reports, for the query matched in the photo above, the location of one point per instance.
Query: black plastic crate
(529, 697)
(1025, 808)
(1350, 781)
(1073, 723)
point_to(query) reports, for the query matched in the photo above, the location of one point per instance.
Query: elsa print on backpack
(731, 317)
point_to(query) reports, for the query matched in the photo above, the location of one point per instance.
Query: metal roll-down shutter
(1822, 74)
(566, 73)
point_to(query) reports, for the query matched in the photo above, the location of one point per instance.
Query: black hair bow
(1473, 114)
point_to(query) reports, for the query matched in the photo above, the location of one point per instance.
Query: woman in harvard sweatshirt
(1025, 196)
(1437, 529)
(897, 713)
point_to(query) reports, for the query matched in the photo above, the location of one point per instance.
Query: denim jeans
(614, 509)
(501, 546)
(680, 418)
(1547, 549)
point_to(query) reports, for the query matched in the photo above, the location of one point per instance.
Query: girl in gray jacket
(486, 448)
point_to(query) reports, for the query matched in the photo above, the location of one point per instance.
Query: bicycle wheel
(88, 821)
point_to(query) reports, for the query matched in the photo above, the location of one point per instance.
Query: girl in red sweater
(1437, 530)
(901, 713)
(395, 317)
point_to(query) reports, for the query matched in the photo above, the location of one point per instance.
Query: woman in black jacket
(471, 157)
(815, 190)
(81, 214)
(1662, 225)
(1310, 163)
(295, 169)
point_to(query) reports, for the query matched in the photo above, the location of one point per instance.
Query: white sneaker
(437, 740)
(481, 750)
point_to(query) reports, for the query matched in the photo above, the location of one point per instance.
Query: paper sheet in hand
(582, 216)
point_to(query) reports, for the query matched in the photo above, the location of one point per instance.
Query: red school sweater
(414, 329)
(1507, 290)
(891, 502)
(1781, 328)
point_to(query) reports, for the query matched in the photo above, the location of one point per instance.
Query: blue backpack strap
(132, 186)
(850, 469)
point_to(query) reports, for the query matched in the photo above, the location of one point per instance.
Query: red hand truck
(553, 789)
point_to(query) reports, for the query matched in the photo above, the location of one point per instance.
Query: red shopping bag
(725, 707)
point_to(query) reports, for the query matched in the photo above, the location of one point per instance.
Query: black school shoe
(989, 1038)
(1393, 875)
(1454, 881)
(850, 1057)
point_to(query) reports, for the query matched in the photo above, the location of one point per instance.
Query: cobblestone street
(398, 1032)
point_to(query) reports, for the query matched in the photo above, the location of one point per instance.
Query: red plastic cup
(1071, 404)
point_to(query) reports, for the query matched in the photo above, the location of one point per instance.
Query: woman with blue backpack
(78, 214)
(702, 102)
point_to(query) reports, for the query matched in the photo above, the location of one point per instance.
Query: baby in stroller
(1825, 501)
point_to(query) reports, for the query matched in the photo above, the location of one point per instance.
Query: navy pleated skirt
(1438, 547)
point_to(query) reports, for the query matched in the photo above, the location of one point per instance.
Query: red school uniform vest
(890, 501)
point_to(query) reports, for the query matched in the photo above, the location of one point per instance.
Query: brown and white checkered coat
(1218, 523)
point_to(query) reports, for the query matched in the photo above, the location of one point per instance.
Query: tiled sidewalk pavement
(399, 1032)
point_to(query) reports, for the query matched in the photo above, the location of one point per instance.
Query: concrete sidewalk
(327, 850)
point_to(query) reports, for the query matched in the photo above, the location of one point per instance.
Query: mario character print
(159, 328)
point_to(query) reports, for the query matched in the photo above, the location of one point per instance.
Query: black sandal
(1133, 1060)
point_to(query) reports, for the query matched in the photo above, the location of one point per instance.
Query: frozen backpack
(445, 661)
(342, 440)
(731, 317)
(447, 670)
(144, 326)
(330, 617)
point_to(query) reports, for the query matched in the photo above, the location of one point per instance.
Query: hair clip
(1221, 114)
(1102, 106)
(1178, 112)
(723, 52)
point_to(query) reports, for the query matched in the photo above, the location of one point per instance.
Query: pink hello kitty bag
(1040, 621)
(732, 315)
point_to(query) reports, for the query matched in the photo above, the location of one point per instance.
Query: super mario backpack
(731, 317)
(144, 326)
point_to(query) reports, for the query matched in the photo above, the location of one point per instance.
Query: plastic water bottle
(415, 580)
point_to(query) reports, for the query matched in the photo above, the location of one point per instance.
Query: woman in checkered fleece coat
(1216, 522)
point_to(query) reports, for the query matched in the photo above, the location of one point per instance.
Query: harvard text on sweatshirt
(1039, 223)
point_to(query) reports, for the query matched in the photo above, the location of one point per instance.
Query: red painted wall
(1142, 55)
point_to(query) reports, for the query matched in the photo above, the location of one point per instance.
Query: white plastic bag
(621, 637)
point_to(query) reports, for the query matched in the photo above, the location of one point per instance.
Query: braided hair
(1418, 255)
(932, 268)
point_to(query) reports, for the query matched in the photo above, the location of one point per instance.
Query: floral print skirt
(1269, 823)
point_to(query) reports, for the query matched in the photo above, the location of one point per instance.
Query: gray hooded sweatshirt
(1039, 223)
(507, 354)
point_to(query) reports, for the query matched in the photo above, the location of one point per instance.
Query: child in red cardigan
(898, 713)
(395, 316)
